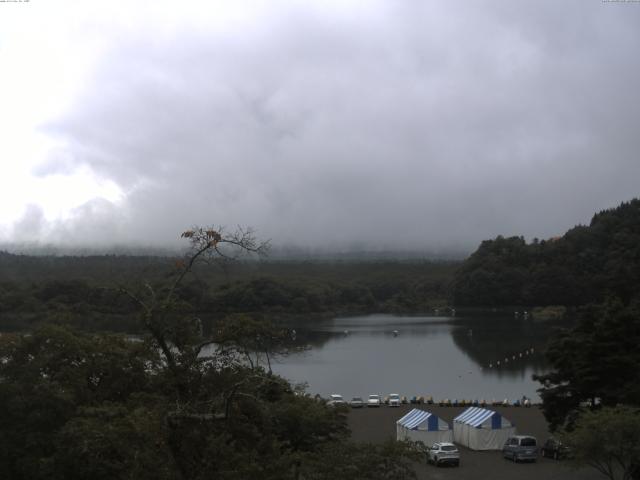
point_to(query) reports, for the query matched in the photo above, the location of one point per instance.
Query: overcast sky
(340, 124)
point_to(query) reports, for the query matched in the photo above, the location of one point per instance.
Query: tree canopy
(597, 362)
(178, 403)
(608, 440)
(585, 265)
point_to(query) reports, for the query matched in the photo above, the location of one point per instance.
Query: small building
(481, 429)
(422, 426)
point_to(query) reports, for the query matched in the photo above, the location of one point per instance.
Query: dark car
(555, 449)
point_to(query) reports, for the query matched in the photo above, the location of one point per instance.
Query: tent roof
(474, 416)
(414, 418)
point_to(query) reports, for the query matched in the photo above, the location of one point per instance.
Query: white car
(443, 453)
(394, 400)
(335, 399)
(374, 401)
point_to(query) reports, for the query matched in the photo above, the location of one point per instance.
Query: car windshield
(356, 399)
(394, 396)
(528, 442)
(373, 397)
(448, 448)
(336, 397)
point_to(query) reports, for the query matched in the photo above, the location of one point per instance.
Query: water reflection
(439, 356)
(502, 346)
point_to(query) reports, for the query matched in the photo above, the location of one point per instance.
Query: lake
(445, 357)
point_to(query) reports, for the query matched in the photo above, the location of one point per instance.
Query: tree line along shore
(76, 403)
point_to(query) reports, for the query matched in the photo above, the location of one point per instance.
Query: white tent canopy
(419, 425)
(482, 429)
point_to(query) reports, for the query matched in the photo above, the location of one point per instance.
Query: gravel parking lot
(379, 424)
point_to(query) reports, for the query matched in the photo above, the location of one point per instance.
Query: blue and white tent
(418, 425)
(481, 429)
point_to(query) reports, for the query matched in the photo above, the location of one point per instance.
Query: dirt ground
(378, 424)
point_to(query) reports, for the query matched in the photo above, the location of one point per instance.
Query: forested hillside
(83, 291)
(585, 265)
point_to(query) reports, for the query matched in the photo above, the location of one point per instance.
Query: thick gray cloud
(406, 125)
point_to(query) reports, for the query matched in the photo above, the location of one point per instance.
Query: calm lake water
(444, 357)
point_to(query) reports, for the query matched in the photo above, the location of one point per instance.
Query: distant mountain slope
(583, 266)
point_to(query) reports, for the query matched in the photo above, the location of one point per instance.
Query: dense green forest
(78, 405)
(84, 291)
(585, 265)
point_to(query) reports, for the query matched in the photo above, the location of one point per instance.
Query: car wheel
(514, 457)
(555, 455)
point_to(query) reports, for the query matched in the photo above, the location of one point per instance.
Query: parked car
(443, 453)
(554, 448)
(394, 400)
(374, 401)
(356, 402)
(521, 447)
(336, 399)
